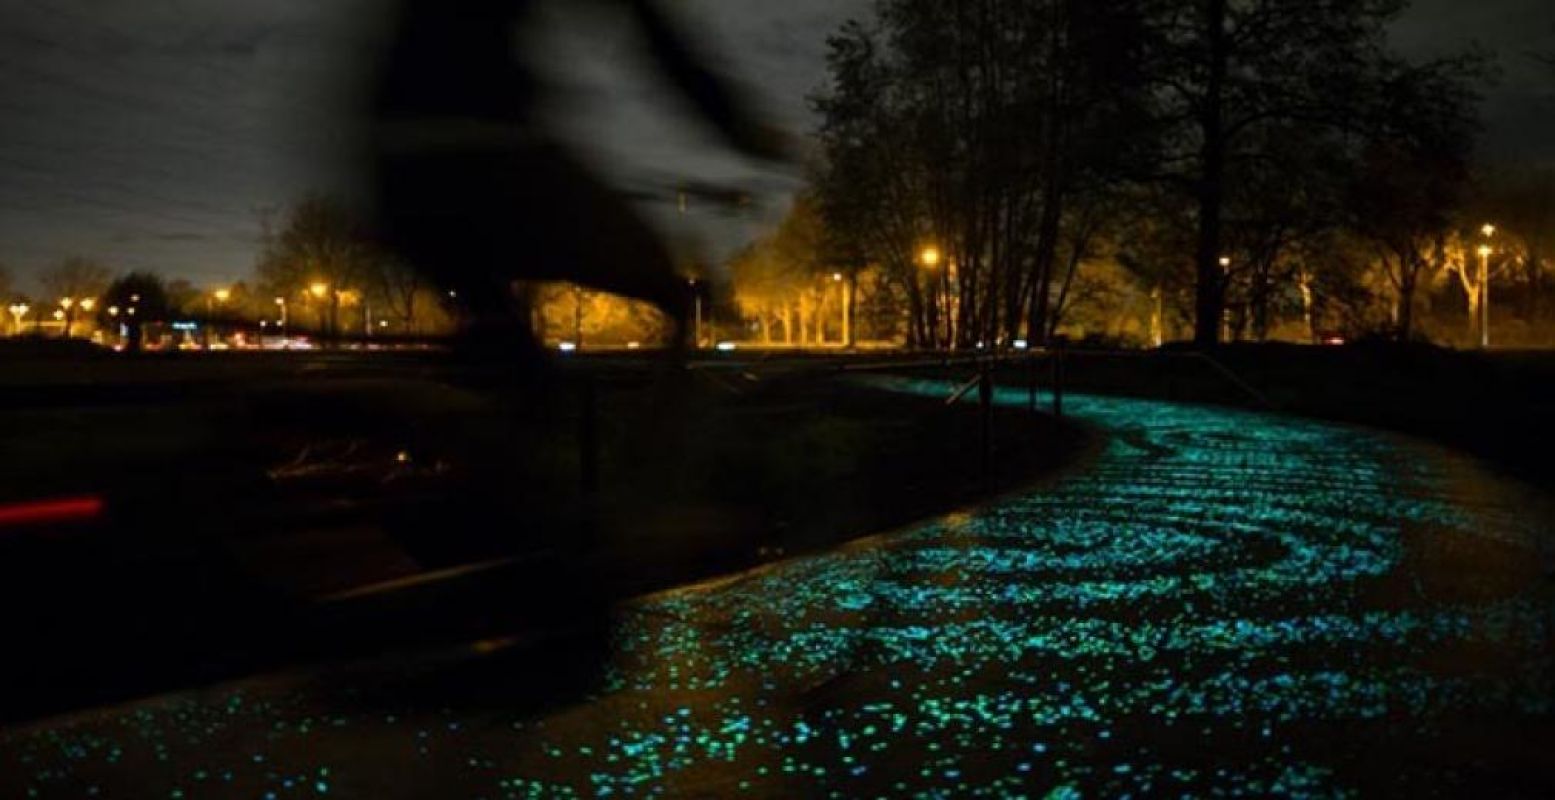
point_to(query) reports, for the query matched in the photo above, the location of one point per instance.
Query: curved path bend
(1222, 604)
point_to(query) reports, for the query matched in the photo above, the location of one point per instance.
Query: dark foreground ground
(263, 512)
(1219, 603)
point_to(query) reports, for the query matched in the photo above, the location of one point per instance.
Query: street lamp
(842, 298)
(318, 291)
(88, 304)
(939, 290)
(696, 303)
(281, 303)
(19, 311)
(1485, 251)
(220, 296)
(66, 314)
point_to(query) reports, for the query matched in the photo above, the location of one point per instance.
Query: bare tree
(320, 254)
(1230, 70)
(7, 287)
(397, 289)
(72, 281)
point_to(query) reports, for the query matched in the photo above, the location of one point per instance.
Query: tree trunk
(932, 313)
(1158, 317)
(1063, 292)
(1307, 307)
(1047, 252)
(1409, 274)
(1210, 294)
(915, 312)
(849, 303)
(1473, 298)
(1535, 275)
(1260, 304)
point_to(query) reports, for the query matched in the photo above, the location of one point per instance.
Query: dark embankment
(268, 511)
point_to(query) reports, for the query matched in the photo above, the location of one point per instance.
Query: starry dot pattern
(1221, 604)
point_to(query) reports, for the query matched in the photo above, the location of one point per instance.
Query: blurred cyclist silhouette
(473, 192)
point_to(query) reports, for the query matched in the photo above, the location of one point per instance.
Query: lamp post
(113, 317)
(281, 303)
(88, 305)
(218, 297)
(842, 301)
(847, 311)
(696, 304)
(19, 311)
(1225, 313)
(319, 291)
(1485, 251)
(930, 257)
(67, 314)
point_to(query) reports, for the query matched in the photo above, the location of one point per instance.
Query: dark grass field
(269, 509)
(265, 510)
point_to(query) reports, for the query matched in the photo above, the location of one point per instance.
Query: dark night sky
(149, 133)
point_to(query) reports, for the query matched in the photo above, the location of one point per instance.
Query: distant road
(1224, 603)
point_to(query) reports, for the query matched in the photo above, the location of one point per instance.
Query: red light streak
(41, 512)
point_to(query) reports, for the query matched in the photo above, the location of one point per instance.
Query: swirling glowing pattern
(1221, 604)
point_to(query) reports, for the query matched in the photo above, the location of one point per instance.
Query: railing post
(985, 398)
(1031, 361)
(588, 438)
(1058, 378)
